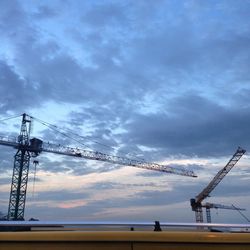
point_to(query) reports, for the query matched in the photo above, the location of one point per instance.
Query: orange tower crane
(196, 203)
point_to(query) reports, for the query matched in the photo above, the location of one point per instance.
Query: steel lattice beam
(20, 173)
(19, 185)
(196, 203)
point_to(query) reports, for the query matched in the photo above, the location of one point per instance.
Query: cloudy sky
(166, 81)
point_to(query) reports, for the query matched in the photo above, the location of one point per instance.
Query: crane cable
(57, 129)
(34, 178)
(69, 131)
(11, 117)
(242, 214)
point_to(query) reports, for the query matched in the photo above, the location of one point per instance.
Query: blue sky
(166, 81)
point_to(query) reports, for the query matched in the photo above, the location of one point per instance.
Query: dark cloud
(7, 160)
(44, 12)
(197, 168)
(192, 126)
(73, 165)
(101, 15)
(233, 185)
(4, 181)
(17, 94)
(115, 185)
(11, 17)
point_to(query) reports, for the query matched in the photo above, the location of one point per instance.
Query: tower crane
(196, 203)
(27, 148)
(209, 205)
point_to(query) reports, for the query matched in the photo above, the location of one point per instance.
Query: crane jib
(36, 146)
(196, 204)
(93, 155)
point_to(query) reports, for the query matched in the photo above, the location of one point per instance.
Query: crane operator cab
(36, 146)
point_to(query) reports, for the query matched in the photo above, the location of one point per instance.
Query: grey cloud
(75, 166)
(115, 185)
(193, 126)
(163, 52)
(145, 198)
(101, 15)
(235, 184)
(197, 168)
(105, 185)
(61, 195)
(4, 181)
(17, 94)
(7, 160)
(44, 12)
(53, 166)
(12, 14)
(76, 83)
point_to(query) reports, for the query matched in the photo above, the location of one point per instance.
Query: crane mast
(27, 148)
(196, 203)
(20, 173)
